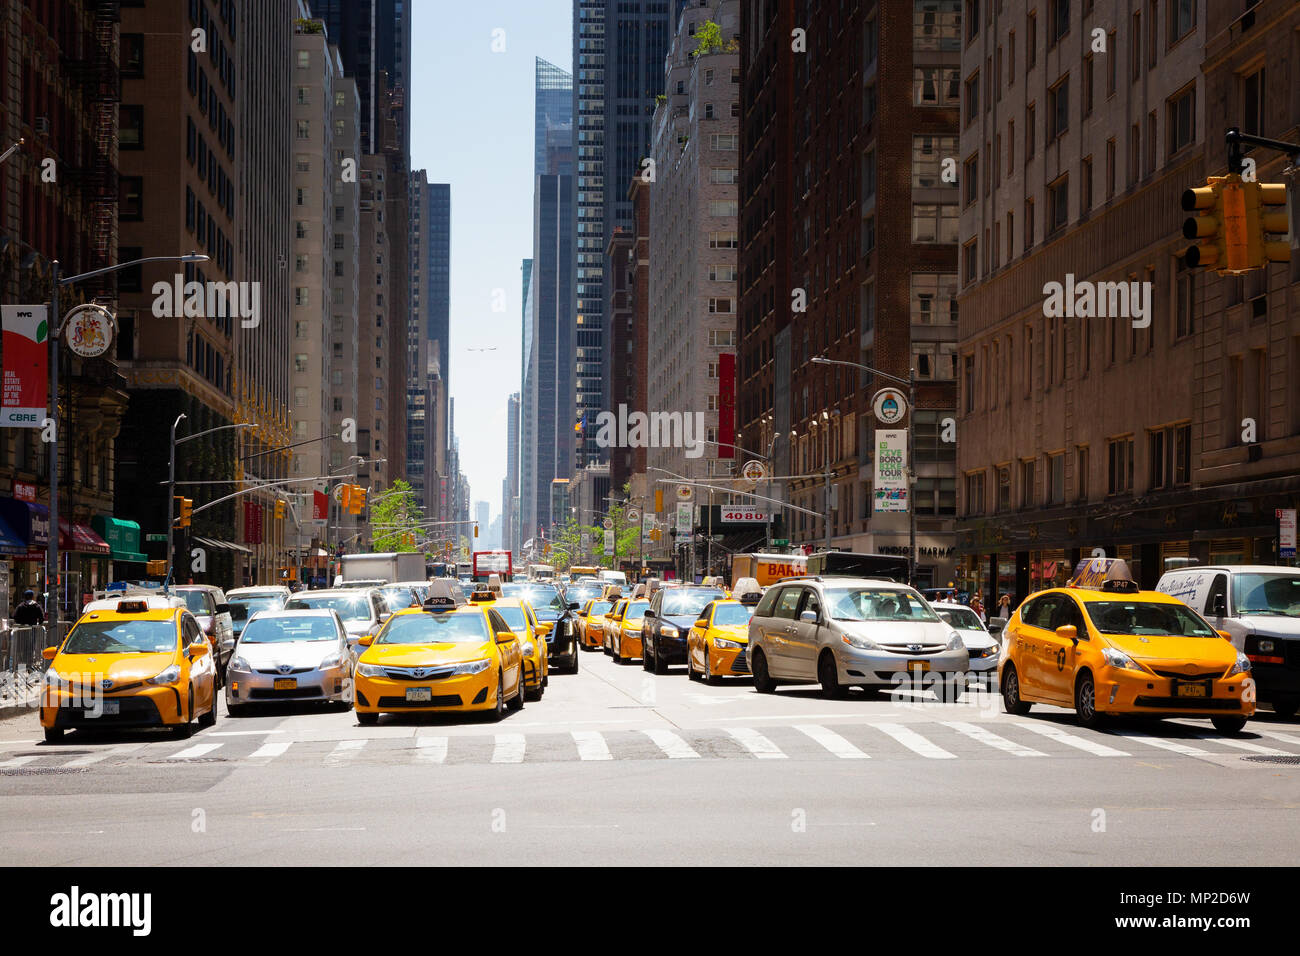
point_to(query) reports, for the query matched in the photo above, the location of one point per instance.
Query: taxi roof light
(1104, 574)
(132, 607)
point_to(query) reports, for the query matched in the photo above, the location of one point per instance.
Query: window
(720, 273)
(724, 176)
(1028, 472)
(1087, 85)
(1111, 59)
(968, 381)
(972, 19)
(1029, 224)
(936, 25)
(303, 129)
(1085, 186)
(1120, 465)
(723, 208)
(722, 240)
(1031, 41)
(1184, 298)
(1004, 488)
(1081, 473)
(1152, 159)
(935, 222)
(934, 298)
(132, 55)
(975, 493)
(935, 86)
(130, 121)
(869, 177)
(1058, 108)
(304, 59)
(1058, 204)
(1110, 168)
(722, 338)
(303, 163)
(721, 306)
(1253, 103)
(131, 198)
(725, 141)
(300, 397)
(1030, 131)
(1135, 47)
(970, 178)
(1134, 153)
(1055, 489)
(970, 261)
(972, 97)
(1058, 23)
(300, 295)
(1182, 19)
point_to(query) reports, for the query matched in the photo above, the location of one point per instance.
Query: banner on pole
(26, 365)
(890, 479)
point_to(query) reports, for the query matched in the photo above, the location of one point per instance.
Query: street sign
(744, 516)
(685, 492)
(88, 330)
(780, 542)
(754, 471)
(890, 405)
(607, 524)
(156, 537)
(683, 519)
(1286, 527)
(633, 515)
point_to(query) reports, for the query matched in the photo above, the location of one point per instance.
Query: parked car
(1259, 607)
(291, 655)
(671, 614)
(208, 604)
(844, 632)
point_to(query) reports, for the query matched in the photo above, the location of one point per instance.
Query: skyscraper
(428, 332)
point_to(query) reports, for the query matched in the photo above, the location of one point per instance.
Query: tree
(709, 40)
(397, 519)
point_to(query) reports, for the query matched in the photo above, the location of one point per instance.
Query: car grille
(1189, 674)
(741, 664)
(906, 649)
(277, 671)
(401, 703)
(1189, 703)
(267, 693)
(88, 690)
(433, 673)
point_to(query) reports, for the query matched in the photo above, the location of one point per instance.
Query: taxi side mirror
(574, 605)
(505, 637)
(702, 622)
(649, 613)
(50, 653)
(199, 648)
(367, 640)
(1068, 632)
(1226, 635)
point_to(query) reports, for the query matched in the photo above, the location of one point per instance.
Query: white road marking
(343, 751)
(509, 748)
(1070, 740)
(17, 761)
(244, 733)
(1244, 745)
(103, 754)
(756, 743)
(987, 737)
(910, 739)
(1274, 735)
(832, 741)
(430, 749)
(189, 753)
(270, 750)
(1163, 743)
(670, 743)
(591, 745)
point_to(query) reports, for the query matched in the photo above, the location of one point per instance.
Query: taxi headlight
(472, 667)
(529, 648)
(861, 643)
(170, 676)
(1117, 658)
(369, 670)
(239, 664)
(669, 631)
(723, 644)
(955, 643)
(54, 679)
(1242, 666)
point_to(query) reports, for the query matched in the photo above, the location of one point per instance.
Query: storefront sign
(744, 516)
(26, 492)
(1286, 532)
(890, 481)
(922, 552)
(26, 366)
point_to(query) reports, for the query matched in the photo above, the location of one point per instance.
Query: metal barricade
(22, 665)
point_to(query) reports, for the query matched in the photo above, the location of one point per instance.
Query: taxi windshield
(1147, 618)
(872, 604)
(1267, 594)
(281, 630)
(636, 609)
(731, 615)
(436, 627)
(514, 616)
(351, 607)
(600, 607)
(122, 637)
(963, 619)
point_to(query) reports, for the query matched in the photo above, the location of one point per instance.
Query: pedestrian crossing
(931, 740)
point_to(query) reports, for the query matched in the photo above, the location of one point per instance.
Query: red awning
(79, 537)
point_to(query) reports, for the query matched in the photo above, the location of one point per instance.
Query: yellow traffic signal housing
(1267, 203)
(279, 508)
(476, 529)
(345, 498)
(358, 500)
(184, 509)
(1221, 229)
(153, 568)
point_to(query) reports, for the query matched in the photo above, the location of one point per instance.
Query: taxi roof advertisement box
(26, 365)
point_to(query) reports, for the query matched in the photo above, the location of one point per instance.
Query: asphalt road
(617, 766)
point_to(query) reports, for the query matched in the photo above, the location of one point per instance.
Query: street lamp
(171, 485)
(56, 328)
(910, 382)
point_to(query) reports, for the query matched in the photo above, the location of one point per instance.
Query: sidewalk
(20, 690)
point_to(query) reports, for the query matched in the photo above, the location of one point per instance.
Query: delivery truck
(387, 567)
(767, 569)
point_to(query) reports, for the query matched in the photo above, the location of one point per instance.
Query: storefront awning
(29, 521)
(223, 545)
(79, 537)
(10, 543)
(123, 537)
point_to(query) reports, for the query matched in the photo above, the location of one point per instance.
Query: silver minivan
(852, 632)
(1258, 606)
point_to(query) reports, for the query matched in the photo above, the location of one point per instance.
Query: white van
(614, 577)
(1259, 606)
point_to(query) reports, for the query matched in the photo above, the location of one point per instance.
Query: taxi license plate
(419, 694)
(106, 708)
(1197, 689)
(286, 683)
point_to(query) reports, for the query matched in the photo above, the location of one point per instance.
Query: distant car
(399, 596)
(245, 602)
(627, 636)
(363, 610)
(590, 621)
(981, 646)
(672, 612)
(293, 655)
(555, 623)
(717, 641)
(208, 604)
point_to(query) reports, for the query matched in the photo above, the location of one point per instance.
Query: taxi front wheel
(367, 720)
(1228, 725)
(53, 735)
(1085, 701)
(1011, 693)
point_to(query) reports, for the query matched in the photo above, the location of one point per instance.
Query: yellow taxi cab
(142, 663)
(609, 626)
(522, 619)
(1103, 646)
(444, 656)
(591, 623)
(717, 643)
(626, 635)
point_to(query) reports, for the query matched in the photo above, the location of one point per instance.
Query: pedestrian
(1004, 606)
(977, 606)
(29, 613)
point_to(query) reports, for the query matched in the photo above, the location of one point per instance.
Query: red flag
(320, 509)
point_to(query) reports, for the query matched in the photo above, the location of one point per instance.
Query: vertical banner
(726, 405)
(609, 542)
(890, 479)
(683, 519)
(26, 365)
(320, 507)
(1286, 532)
(252, 522)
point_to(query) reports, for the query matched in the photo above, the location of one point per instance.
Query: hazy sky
(472, 126)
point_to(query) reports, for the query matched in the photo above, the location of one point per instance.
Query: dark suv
(671, 613)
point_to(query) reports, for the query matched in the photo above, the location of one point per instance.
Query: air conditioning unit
(43, 125)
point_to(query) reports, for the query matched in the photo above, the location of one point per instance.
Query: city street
(617, 766)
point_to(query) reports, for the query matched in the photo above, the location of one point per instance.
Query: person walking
(1004, 606)
(29, 613)
(977, 606)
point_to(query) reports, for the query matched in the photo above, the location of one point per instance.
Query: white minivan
(614, 577)
(1258, 605)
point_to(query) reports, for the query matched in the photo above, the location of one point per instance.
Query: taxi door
(512, 655)
(1061, 656)
(1034, 652)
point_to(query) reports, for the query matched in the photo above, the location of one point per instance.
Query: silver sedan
(293, 655)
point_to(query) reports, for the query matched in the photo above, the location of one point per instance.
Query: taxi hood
(119, 668)
(424, 655)
(1158, 647)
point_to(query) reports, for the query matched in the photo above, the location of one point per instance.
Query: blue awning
(10, 543)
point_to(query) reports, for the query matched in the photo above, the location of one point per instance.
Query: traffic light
(345, 498)
(358, 500)
(659, 501)
(476, 529)
(279, 508)
(155, 568)
(184, 508)
(1221, 229)
(1267, 203)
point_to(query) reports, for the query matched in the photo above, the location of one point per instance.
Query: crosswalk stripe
(670, 743)
(832, 741)
(270, 750)
(17, 761)
(509, 748)
(591, 745)
(1164, 744)
(85, 760)
(431, 749)
(756, 743)
(1274, 735)
(343, 751)
(913, 741)
(985, 736)
(1244, 745)
(1070, 740)
(189, 753)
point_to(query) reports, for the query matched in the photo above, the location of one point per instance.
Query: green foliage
(395, 516)
(709, 40)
